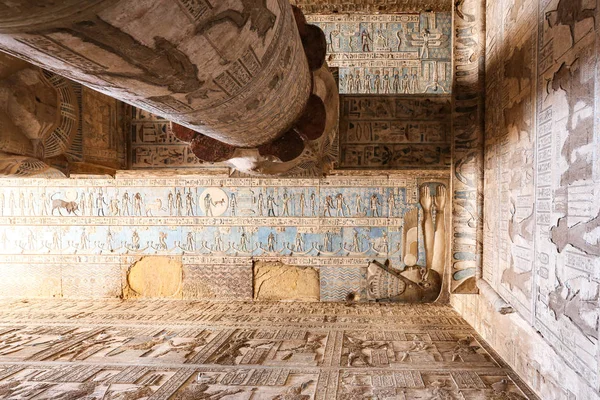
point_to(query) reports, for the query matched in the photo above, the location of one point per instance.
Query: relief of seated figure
(415, 283)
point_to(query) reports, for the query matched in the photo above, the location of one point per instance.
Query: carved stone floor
(63, 349)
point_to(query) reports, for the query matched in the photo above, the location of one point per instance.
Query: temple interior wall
(541, 203)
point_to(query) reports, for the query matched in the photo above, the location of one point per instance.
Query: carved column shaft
(234, 70)
(467, 143)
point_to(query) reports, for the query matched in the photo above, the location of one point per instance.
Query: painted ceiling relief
(160, 350)
(370, 6)
(389, 54)
(394, 132)
(335, 224)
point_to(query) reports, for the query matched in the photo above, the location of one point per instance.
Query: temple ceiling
(371, 6)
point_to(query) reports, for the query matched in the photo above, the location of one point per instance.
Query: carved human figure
(313, 204)
(271, 204)
(190, 242)
(340, 205)
(260, 204)
(350, 83)
(367, 83)
(302, 204)
(135, 240)
(178, 203)
(357, 350)
(189, 204)
(358, 205)
(328, 206)
(44, 203)
(391, 202)
(125, 204)
(170, 202)
(404, 84)
(271, 242)
(435, 240)
(100, 203)
(396, 87)
(137, 204)
(386, 83)
(299, 242)
(244, 243)
(366, 39)
(286, 205)
(374, 205)
(377, 83)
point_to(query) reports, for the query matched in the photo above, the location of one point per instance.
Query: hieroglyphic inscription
(389, 54)
(467, 143)
(394, 132)
(197, 350)
(218, 225)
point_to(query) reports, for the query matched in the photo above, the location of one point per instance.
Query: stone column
(467, 143)
(233, 70)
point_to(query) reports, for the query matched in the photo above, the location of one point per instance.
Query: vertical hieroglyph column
(234, 70)
(467, 143)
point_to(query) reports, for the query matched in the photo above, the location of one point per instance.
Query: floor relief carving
(216, 225)
(293, 351)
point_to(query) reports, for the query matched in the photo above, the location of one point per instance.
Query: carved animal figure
(584, 314)
(570, 12)
(261, 18)
(154, 207)
(70, 206)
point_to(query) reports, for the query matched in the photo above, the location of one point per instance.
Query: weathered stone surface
(181, 350)
(154, 277)
(236, 72)
(277, 281)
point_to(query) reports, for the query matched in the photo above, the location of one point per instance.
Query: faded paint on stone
(155, 277)
(277, 281)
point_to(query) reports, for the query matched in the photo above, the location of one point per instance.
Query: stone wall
(80, 237)
(542, 186)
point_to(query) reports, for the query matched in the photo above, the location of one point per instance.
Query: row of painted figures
(218, 241)
(212, 202)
